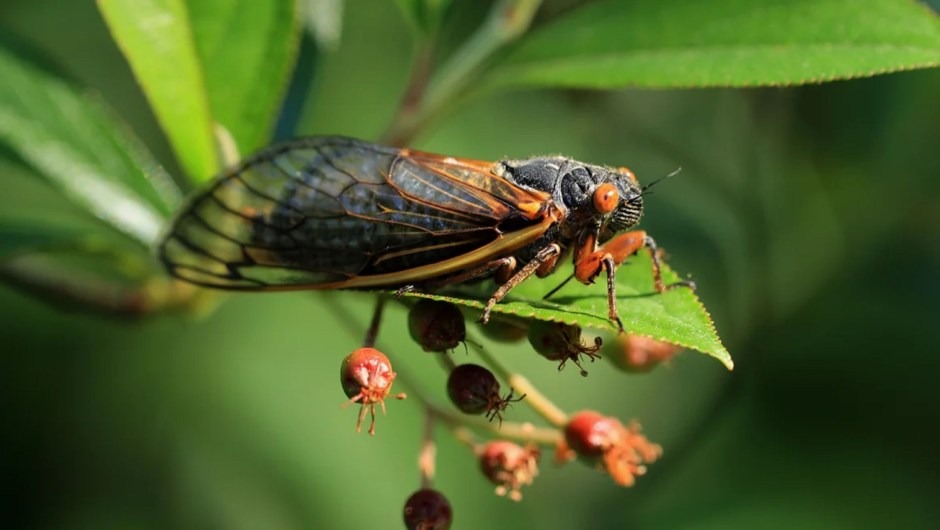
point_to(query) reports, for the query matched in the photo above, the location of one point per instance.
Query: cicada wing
(336, 212)
(480, 177)
(238, 234)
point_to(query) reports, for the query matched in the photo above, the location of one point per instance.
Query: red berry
(557, 341)
(606, 443)
(475, 390)
(366, 375)
(428, 509)
(589, 433)
(437, 326)
(509, 466)
(638, 354)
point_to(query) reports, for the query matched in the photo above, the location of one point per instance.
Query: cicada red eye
(625, 171)
(606, 198)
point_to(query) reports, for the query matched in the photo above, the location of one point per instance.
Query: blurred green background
(809, 217)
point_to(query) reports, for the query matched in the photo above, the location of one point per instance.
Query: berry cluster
(510, 459)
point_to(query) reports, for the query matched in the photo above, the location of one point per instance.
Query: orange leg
(608, 256)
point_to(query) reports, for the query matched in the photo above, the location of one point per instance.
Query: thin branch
(410, 104)
(373, 332)
(507, 21)
(427, 456)
(525, 432)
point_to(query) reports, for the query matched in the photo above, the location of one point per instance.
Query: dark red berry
(475, 390)
(366, 375)
(428, 509)
(509, 466)
(557, 341)
(606, 443)
(437, 326)
(638, 354)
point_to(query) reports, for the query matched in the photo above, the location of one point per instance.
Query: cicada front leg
(588, 264)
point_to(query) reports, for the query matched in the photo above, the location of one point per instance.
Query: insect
(339, 213)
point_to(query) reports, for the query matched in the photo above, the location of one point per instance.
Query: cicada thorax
(574, 187)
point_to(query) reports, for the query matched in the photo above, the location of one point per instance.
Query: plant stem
(447, 363)
(373, 331)
(525, 432)
(508, 20)
(396, 134)
(427, 456)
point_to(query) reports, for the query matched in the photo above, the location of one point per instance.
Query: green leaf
(156, 38)
(74, 141)
(677, 43)
(246, 50)
(676, 316)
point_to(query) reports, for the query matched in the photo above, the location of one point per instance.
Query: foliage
(199, 65)
(215, 74)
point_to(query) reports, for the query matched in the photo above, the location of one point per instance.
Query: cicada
(340, 213)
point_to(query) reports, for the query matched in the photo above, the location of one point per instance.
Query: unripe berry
(437, 326)
(366, 375)
(638, 354)
(562, 342)
(428, 509)
(474, 390)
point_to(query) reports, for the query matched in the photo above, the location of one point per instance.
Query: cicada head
(592, 196)
(614, 200)
(629, 208)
